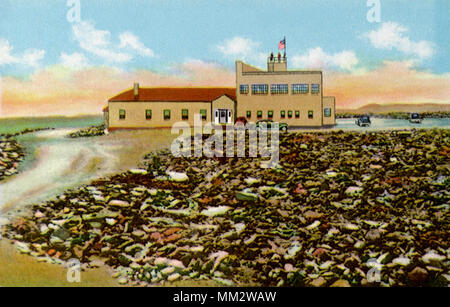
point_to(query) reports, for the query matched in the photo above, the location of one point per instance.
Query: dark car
(363, 121)
(415, 118)
(268, 122)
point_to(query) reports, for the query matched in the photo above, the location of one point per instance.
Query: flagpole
(285, 48)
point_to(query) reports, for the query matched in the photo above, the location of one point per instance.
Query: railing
(275, 59)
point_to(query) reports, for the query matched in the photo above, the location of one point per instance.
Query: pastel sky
(52, 63)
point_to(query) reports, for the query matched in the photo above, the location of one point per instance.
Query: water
(13, 125)
(386, 124)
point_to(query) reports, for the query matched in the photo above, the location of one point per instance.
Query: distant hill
(398, 107)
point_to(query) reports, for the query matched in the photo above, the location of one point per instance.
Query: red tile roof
(182, 94)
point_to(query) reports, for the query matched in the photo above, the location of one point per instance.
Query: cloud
(5, 52)
(129, 40)
(238, 47)
(242, 48)
(394, 81)
(391, 36)
(74, 61)
(98, 42)
(30, 57)
(317, 58)
(58, 90)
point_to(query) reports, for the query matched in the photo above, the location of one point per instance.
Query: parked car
(415, 118)
(241, 120)
(363, 121)
(282, 126)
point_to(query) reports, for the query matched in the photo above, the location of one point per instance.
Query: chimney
(136, 91)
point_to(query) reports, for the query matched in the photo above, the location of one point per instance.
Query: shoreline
(168, 228)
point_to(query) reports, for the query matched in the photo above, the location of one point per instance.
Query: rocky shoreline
(11, 154)
(339, 204)
(88, 132)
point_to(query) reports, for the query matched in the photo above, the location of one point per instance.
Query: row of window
(259, 113)
(280, 88)
(166, 114)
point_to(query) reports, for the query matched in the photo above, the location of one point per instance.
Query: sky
(68, 57)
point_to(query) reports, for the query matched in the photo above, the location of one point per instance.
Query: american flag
(282, 44)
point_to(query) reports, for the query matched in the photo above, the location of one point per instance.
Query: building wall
(279, 102)
(106, 118)
(135, 113)
(329, 102)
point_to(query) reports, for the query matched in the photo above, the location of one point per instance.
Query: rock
(318, 282)
(418, 276)
(173, 277)
(353, 190)
(224, 282)
(246, 196)
(288, 267)
(373, 235)
(313, 225)
(341, 283)
(122, 281)
(215, 211)
(433, 257)
(168, 270)
(350, 226)
(293, 250)
(312, 215)
(22, 247)
(218, 256)
(320, 253)
(251, 180)
(138, 171)
(119, 203)
(359, 245)
(403, 261)
(178, 177)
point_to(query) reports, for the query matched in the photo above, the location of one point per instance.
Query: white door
(222, 116)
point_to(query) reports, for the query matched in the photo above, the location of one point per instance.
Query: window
(243, 88)
(315, 88)
(310, 114)
(184, 114)
(297, 114)
(203, 114)
(278, 88)
(299, 88)
(289, 113)
(327, 112)
(148, 114)
(259, 88)
(259, 114)
(270, 114)
(282, 114)
(249, 114)
(166, 114)
(122, 114)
